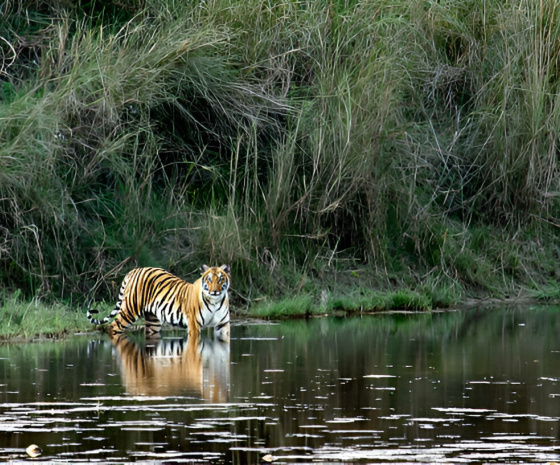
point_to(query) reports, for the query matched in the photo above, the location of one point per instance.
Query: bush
(284, 139)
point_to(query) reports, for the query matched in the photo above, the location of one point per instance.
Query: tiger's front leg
(221, 332)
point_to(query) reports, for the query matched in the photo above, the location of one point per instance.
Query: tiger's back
(161, 297)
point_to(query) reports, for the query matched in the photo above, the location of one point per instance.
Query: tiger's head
(215, 281)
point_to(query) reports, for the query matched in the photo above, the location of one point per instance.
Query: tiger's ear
(227, 269)
(204, 268)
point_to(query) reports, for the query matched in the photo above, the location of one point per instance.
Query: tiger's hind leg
(117, 326)
(121, 321)
(152, 325)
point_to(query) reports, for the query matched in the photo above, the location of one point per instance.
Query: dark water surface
(474, 386)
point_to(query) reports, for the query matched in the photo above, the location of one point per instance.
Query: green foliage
(301, 306)
(366, 301)
(26, 320)
(370, 301)
(547, 292)
(400, 138)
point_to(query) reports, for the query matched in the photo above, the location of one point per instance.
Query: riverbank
(22, 321)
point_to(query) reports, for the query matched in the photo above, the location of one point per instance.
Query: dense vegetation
(321, 148)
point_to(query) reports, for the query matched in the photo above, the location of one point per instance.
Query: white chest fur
(214, 311)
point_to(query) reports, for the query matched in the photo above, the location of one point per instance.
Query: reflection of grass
(472, 324)
(26, 320)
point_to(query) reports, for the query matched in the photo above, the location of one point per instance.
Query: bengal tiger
(161, 297)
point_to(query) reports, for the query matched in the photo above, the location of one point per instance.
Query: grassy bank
(343, 153)
(23, 320)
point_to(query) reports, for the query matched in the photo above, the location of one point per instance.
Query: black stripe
(200, 314)
(154, 283)
(166, 310)
(207, 304)
(149, 277)
(128, 318)
(131, 294)
(171, 290)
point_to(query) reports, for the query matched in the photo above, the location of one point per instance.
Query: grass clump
(27, 320)
(368, 301)
(296, 307)
(547, 292)
(307, 305)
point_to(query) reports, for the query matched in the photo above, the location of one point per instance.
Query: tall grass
(308, 144)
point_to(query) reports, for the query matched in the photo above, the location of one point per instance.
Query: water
(474, 386)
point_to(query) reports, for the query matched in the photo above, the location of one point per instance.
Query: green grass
(366, 301)
(297, 307)
(24, 320)
(547, 292)
(406, 147)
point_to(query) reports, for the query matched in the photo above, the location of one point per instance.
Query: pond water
(475, 386)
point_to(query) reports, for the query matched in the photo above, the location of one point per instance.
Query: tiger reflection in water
(171, 366)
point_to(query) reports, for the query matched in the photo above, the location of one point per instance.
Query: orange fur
(161, 297)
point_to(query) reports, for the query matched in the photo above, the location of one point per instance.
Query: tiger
(161, 297)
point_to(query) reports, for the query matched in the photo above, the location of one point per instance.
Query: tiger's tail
(94, 321)
(91, 312)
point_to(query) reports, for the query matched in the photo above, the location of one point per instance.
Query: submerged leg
(118, 325)
(152, 325)
(221, 332)
(122, 320)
